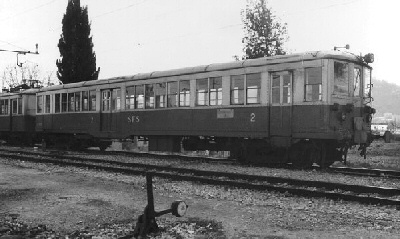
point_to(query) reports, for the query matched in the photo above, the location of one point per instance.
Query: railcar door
(110, 104)
(281, 104)
(17, 122)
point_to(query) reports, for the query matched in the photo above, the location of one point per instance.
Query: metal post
(150, 197)
(146, 222)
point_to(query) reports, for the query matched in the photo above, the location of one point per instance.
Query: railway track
(336, 191)
(367, 172)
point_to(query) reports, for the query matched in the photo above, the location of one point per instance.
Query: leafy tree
(78, 61)
(264, 34)
(14, 76)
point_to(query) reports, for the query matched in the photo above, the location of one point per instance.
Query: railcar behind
(17, 116)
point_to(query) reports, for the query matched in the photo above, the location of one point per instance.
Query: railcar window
(14, 104)
(106, 98)
(57, 99)
(202, 91)
(139, 97)
(4, 107)
(130, 98)
(64, 102)
(47, 104)
(149, 96)
(77, 101)
(92, 100)
(281, 88)
(160, 91)
(172, 94)
(85, 101)
(313, 84)
(39, 103)
(253, 86)
(71, 102)
(341, 78)
(116, 99)
(287, 89)
(367, 82)
(357, 81)
(19, 106)
(184, 93)
(216, 91)
(276, 89)
(237, 90)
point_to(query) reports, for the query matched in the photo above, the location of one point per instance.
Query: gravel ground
(45, 201)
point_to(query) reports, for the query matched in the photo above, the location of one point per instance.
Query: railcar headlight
(342, 116)
(369, 58)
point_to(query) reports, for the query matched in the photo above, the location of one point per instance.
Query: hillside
(386, 97)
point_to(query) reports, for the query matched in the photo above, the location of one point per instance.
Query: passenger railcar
(17, 116)
(301, 108)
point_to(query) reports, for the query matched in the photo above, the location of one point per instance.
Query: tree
(78, 61)
(28, 74)
(264, 34)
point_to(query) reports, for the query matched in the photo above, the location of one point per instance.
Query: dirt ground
(68, 200)
(379, 155)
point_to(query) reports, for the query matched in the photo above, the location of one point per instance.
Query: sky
(139, 36)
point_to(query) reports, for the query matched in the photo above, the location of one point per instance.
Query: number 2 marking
(252, 117)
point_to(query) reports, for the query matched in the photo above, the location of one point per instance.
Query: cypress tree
(78, 61)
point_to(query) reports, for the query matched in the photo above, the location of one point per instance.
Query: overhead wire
(176, 36)
(320, 8)
(8, 43)
(28, 10)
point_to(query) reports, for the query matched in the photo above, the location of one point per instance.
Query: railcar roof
(298, 57)
(22, 92)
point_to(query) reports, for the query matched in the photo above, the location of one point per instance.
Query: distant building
(379, 125)
(389, 122)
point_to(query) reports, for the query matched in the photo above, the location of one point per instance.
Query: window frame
(39, 104)
(212, 91)
(360, 78)
(116, 99)
(337, 90)
(257, 88)
(205, 94)
(130, 95)
(319, 84)
(240, 97)
(172, 98)
(47, 104)
(284, 98)
(149, 96)
(160, 95)
(4, 106)
(184, 94)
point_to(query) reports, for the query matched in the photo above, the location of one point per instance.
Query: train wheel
(329, 154)
(302, 155)
(104, 145)
(306, 159)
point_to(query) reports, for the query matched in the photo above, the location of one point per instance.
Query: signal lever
(146, 222)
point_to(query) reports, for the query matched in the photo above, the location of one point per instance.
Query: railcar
(17, 116)
(301, 108)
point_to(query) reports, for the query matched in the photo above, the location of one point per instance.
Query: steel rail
(367, 172)
(270, 179)
(212, 181)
